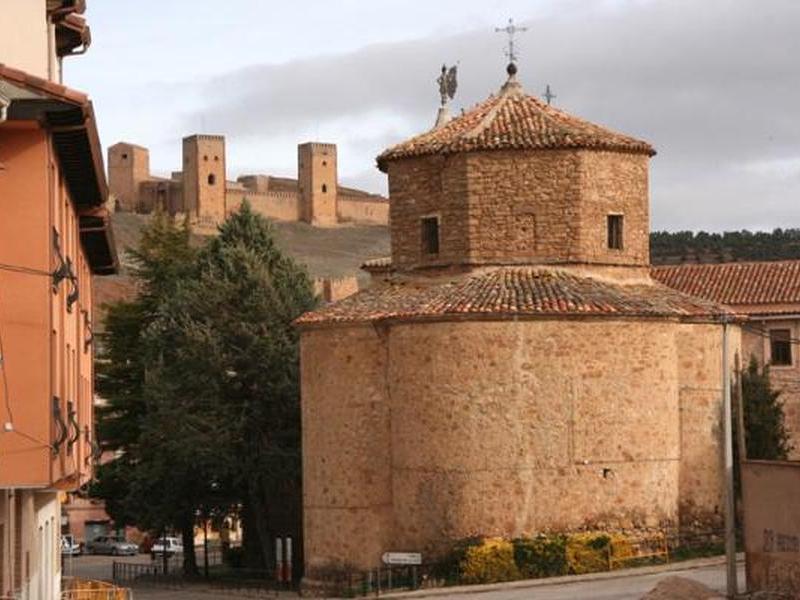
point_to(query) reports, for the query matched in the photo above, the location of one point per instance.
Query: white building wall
(39, 548)
(26, 39)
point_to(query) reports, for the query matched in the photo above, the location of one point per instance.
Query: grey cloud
(713, 85)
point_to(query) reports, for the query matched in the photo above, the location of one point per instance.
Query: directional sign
(402, 558)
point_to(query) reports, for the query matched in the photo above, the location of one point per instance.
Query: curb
(697, 563)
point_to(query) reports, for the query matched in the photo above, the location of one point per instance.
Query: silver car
(111, 544)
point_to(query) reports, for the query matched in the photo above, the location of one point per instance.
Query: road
(631, 587)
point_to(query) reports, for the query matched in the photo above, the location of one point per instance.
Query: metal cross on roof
(511, 29)
(548, 94)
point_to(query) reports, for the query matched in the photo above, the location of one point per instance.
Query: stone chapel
(513, 368)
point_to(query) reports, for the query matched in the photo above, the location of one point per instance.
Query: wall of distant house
(786, 378)
(362, 209)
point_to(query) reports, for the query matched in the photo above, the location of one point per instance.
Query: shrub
(541, 556)
(588, 552)
(449, 567)
(489, 562)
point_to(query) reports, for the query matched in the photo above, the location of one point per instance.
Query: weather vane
(511, 29)
(447, 84)
(548, 94)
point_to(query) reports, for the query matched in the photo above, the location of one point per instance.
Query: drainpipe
(730, 517)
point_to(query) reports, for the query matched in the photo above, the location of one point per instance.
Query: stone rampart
(362, 209)
(278, 205)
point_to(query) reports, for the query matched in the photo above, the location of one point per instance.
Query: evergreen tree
(124, 360)
(231, 362)
(766, 437)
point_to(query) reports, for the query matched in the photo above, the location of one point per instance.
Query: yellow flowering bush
(489, 562)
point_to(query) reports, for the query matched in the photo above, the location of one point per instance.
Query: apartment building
(55, 236)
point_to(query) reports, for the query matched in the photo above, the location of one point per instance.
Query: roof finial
(549, 95)
(511, 53)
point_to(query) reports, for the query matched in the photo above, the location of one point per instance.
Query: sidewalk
(698, 563)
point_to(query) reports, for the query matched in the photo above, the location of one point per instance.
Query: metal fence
(74, 588)
(219, 576)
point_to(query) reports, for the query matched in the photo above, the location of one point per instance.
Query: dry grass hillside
(334, 252)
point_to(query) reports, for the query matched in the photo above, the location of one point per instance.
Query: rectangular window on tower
(430, 235)
(780, 345)
(615, 232)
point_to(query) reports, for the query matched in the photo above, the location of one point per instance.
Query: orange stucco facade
(46, 331)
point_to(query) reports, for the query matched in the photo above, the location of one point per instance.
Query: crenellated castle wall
(277, 205)
(371, 209)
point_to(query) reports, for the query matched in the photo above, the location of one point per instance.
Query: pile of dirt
(680, 588)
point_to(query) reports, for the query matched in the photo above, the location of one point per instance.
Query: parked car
(111, 544)
(69, 547)
(170, 545)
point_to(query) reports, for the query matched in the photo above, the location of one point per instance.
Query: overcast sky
(714, 85)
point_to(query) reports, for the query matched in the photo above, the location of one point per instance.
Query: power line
(765, 334)
(25, 270)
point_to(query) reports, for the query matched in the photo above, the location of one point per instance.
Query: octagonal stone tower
(515, 181)
(514, 369)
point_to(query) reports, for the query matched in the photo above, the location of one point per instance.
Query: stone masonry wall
(614, 183)
(362, 210)
(281, 206)
(523, 206)
(497, 428)
(347, 487)
(520, 207)
(433, 186)
(700, 374)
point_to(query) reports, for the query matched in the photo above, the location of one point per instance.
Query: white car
(169, 545)
(69, 547)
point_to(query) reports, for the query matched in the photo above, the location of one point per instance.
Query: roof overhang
(69, 118)
(73, 35)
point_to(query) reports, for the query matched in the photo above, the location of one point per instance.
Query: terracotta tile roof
(512, 291)
(513, 120)
(744, 283)
(44, 86)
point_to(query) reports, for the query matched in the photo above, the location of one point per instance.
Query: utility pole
(730, 516)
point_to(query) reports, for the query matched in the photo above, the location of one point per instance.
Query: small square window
(615, 232)
(430, 235)
(780, 345)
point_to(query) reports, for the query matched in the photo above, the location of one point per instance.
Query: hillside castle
(202, 191)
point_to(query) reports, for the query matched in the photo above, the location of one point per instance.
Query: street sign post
(402, 558)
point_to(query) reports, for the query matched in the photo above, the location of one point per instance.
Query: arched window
(212, 179)
(324, 188)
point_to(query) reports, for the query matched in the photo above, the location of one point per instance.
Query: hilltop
(326, 252)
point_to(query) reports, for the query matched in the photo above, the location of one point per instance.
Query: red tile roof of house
(743, 283)
(512, 120)
(513, 292)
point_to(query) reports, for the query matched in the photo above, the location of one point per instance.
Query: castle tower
(204, 178)
(317, 180)
(128, 166)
